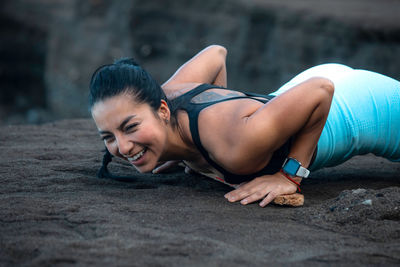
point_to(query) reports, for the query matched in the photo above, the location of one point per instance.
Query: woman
(264, 144)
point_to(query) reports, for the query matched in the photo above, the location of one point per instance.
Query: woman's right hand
(164, 167)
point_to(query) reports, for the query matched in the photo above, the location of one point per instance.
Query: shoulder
(223, 131)
(173, 91)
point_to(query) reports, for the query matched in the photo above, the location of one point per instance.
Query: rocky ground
(55, 212)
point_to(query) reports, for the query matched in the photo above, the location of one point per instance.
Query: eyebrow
(121, 126)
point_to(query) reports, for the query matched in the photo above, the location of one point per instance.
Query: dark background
(49, 48)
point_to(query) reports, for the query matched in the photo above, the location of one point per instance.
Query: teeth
(137, 156)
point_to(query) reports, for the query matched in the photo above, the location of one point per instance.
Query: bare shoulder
(172, 91)
(222, 127)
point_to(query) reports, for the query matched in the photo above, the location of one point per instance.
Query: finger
(236, 186)
(243, 191)
(241, 184)
(189, 170)
(254, 197)
(237, 194)
(268, 199)
(165, 166)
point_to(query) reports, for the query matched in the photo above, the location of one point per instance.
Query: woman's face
(132, 131)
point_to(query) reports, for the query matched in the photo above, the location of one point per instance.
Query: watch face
(291, 166)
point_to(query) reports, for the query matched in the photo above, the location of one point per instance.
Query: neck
(179, 146)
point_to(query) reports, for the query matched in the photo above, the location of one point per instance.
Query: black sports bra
(184, 102)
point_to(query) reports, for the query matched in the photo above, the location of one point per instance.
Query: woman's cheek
(112, 148)
(147, 136)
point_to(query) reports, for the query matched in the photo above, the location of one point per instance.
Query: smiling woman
(131, 113)
(132, 132)
(263, 145)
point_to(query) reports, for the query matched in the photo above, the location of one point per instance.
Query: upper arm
(250, 139)
(202, 68)
(287, 114)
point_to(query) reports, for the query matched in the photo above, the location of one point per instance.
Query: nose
(125, 145)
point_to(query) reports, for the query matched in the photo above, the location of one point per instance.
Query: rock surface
(54, 211)
(62, 42)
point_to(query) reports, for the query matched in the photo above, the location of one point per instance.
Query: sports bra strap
(193, 110)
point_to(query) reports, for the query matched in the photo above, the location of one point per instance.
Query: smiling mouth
(138, 155)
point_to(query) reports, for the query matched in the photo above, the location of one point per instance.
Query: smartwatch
(292, 167)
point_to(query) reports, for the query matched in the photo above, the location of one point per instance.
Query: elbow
(327, 86)
(322, 87)
(329, 89)
(325, 95)
(321, 91)
(222, 50)
(219, 49)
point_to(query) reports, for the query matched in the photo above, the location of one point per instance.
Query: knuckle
(273, 195)
(258, 194)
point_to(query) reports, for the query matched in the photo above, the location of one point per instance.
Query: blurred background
(50, 48)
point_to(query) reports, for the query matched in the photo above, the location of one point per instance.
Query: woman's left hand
(266, 187)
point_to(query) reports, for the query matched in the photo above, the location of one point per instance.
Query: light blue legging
(364, 115)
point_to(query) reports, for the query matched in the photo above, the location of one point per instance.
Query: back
(207, 96)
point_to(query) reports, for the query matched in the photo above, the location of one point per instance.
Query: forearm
(305, 141)
(208, 66)
(221, 77)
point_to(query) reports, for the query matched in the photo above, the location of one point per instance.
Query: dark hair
(125, 76)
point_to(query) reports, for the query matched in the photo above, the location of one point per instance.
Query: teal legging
(364, 115)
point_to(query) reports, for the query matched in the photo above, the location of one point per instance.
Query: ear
(163, 111)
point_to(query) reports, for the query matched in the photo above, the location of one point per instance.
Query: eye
(107, 138)
(131, 127)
